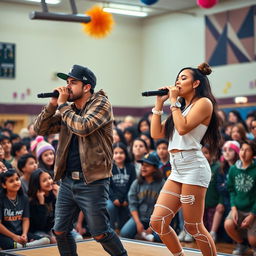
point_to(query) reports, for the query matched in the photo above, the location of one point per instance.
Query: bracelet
(157, 112)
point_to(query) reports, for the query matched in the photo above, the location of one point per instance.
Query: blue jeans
(129, 230)
(117, 214)
(92, 200)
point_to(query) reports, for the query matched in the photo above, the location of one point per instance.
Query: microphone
(155, 93)
(54, 94)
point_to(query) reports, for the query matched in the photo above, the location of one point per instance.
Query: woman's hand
(161, 99)
(40, 196)
(173, 93)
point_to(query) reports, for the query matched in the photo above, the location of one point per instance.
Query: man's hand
(64, 94)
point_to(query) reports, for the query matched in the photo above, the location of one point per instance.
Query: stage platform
(91, 248)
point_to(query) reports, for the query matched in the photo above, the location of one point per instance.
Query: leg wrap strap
(162, 220)
(198, 234)
(179, 253)
(187, 199)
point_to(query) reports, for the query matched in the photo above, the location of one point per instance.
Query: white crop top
(189, 140)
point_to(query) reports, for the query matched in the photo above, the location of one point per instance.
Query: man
(83, 158)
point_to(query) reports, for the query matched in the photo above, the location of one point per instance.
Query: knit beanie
(232, 144)
(40, 146)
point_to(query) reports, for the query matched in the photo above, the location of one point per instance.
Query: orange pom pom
(101, 22)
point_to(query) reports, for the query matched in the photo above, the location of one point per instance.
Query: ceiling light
(241, 100)
(47, 1)
(125, 12)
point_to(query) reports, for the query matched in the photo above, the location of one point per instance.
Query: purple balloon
(149, 2)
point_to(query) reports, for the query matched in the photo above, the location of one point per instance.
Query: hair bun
(205, 68)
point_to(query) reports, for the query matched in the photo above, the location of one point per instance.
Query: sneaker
(188, 238)
(41, 241)
(182, 235)
(76, 235)
(213, 235)
(148, 237)
(240, 249)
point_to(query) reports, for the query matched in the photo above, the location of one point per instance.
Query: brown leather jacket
(94, 127)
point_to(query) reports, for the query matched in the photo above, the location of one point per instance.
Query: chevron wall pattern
(230, 37)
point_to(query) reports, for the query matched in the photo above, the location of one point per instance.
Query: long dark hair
(212, 135)
(34, 185)
(7, 174)
(124, 148)
(157, 176)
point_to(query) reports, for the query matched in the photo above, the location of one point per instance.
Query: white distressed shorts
(190, 167)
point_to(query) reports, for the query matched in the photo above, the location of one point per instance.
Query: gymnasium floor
(91, 248)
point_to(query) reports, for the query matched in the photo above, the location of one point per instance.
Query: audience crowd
(140, 166)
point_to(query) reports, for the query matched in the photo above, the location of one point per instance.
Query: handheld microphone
(155, 93)
(54, 94)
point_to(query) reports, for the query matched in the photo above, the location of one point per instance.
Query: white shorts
(190, 167)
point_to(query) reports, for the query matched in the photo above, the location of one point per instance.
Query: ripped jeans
(76, 195)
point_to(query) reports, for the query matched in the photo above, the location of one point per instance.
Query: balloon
(149, 2)
(206, 3)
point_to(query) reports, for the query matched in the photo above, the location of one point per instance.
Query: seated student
(148, 139)
(42, 193)
(8, 165)
(163, 154)
(5, 141)
(123, 176)
(45, 154)
(14, 215)
(27, 165)
(138, 150)
(230, 154)
(18, 149)
(240, 224)
(212, 197)
(142, 197)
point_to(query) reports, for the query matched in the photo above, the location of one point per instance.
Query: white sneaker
(41, 241)
(148, 237)
(76, 235)
(240, 249)
(213, 235)
(188, 238)
(182, 235)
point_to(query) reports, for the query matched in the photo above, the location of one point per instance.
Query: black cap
(150, 158)
(80, 73)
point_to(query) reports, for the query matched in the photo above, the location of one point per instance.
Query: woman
(193, 122)
(42, 194)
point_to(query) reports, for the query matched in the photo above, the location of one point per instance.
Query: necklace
(188, 104)
(14, 201)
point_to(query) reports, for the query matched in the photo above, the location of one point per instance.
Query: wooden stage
(91, 248)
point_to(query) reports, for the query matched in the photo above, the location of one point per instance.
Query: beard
(73, 97)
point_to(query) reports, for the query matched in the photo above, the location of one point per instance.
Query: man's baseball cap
(150, 158)
(80, 73)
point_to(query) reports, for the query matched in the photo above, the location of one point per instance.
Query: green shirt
(212, 197)
(242, 187)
